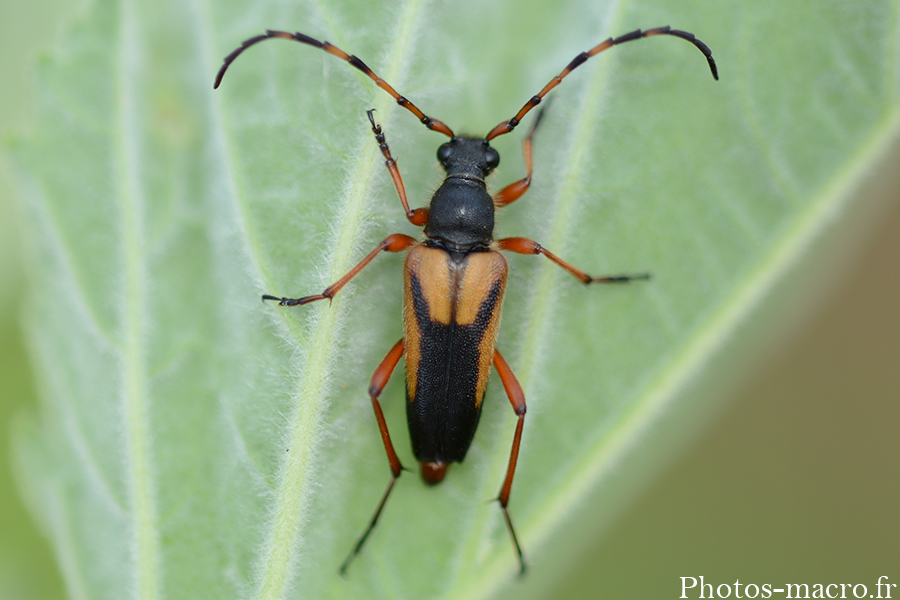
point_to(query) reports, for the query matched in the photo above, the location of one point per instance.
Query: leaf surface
(194, 442)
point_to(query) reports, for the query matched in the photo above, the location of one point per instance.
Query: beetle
(454, 283)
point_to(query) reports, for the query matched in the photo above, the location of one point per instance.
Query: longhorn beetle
(453, 283)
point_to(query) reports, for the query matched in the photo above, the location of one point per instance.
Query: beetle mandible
(454, 281)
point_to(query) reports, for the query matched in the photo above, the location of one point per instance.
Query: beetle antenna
(507, 126)
(429, 122)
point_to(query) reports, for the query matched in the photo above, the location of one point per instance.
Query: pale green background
(798, 481)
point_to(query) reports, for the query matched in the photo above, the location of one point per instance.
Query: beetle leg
(517, 399)
(523, 245)
(514, 191)
(396, 242)
(379, 380)
(417, 217)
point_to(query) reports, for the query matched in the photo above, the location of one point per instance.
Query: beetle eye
(492, 158)
(444, 153)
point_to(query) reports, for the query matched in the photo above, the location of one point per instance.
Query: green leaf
(196, 443)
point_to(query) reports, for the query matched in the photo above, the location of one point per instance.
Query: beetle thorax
(461, 215)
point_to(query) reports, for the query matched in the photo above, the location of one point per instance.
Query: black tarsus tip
(343, 570)
(619, 278)
(515, 541)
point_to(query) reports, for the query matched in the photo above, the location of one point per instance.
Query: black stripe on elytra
(444, 414)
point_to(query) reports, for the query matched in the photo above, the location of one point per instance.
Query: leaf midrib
(135, 394)
(294, 487)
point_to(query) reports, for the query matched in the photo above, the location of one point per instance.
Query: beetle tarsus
(620, 278)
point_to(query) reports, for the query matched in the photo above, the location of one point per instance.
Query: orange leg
(523, 245)
(517, 399)
(514, 191)
(393, 243)
(379, 380)
(417, 217)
